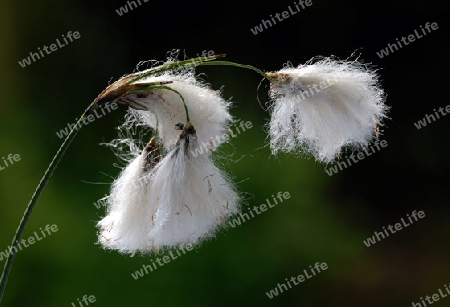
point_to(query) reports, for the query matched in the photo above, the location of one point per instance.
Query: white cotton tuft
(126, 225)
(161, 203)
(207, 109)
(194, 197)
(323, 106)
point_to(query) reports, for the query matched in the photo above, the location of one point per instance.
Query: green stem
(188, 119)
(32, 204)
(201, 61)
(172, 66)
(165, 87)
(227, 63)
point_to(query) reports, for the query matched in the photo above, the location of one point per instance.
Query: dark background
(325, 220)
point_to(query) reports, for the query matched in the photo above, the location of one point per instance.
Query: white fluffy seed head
(207, 109)
(183, 198)
(125, 226)
(194, 197)
(323, 106)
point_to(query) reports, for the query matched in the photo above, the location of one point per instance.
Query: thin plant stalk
(228, 63)
(32, 204)
(201, 61)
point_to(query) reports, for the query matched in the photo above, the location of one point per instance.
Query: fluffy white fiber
(182, 199)
(322, 106)
(126, 225)
(207, 109)
(194, 197)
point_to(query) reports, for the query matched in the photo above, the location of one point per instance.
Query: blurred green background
(325, 220)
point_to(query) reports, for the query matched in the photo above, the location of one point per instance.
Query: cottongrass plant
(183, 198)
(323, 106)
(166, 196)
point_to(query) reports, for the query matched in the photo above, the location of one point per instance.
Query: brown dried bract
(152, 155)
(117, 91)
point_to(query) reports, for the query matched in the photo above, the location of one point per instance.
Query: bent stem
(26, 216)
(200, 61)
(165, 87)
(172, 66)
(227, 63)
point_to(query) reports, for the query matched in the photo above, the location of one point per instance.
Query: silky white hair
(125, 226)
(325, 105)
(207, 109)
(179, 196)
(194, 197)
(182, 199)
